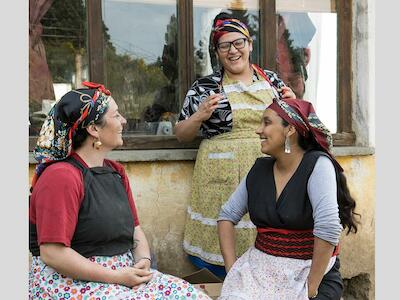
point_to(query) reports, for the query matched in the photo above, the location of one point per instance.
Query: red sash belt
(287, 243)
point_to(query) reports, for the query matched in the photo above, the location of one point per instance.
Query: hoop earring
(287, 145)
(97, 144)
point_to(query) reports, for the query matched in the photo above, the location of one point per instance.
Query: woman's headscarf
(76, 109)
(224, 26)
(301, 114)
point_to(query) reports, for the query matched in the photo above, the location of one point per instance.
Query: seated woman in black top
(299, 201)
(85, 236)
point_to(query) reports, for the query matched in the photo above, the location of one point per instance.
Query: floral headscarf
(228, 25)
(76, 109)
(302, 116)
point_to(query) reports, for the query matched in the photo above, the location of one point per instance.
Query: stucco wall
(162, 190)
(358, 250)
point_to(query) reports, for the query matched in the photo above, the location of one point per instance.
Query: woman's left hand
(312, 291)
(143, 264)
(287, 93)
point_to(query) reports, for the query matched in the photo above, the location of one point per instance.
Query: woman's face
(235, 61)
(272, 133)
(110, 134)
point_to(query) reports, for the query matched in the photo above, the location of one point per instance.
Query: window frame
(344, 136)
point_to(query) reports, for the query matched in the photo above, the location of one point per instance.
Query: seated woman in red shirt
(85, 236)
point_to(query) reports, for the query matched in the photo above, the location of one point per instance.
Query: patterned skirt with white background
(257, 275)
(46, 283)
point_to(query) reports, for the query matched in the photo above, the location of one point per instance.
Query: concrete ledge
(190, 154)
(153, 155)
(353, 151)
(146, 155)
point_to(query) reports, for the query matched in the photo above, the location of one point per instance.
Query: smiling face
(234, 61)
(110, 134)
(272, 133)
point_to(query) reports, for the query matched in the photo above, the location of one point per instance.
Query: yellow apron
(222, 161)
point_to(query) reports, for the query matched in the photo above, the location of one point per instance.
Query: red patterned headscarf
(76, 109)
(225, 26)
(301, 114)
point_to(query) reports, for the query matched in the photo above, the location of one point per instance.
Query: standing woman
(225, 107)
(84, 232)
(299, 200)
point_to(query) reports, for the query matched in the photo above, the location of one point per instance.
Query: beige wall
(162, 190)
(358, 250)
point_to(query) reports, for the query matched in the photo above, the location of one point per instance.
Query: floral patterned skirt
(46, 283)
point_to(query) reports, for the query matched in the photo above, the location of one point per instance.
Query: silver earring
(287, 145)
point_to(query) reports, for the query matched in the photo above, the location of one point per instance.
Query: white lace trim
(240, 87)
(221, 155)
(213, 222)
(237, 106)
(200, 252)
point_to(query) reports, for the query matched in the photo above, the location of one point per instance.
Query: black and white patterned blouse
(221, 119)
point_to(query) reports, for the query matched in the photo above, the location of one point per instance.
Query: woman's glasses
(238, 44)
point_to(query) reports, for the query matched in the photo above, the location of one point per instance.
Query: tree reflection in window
(143, 83)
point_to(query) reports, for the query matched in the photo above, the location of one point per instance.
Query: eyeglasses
(238, 44)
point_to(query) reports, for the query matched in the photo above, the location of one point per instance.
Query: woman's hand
(143, 264)
(287, 93)
(131, 276)
(207, 107)
(312, 291)
(187, 130)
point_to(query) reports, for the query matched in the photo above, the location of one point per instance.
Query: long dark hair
(346, 202)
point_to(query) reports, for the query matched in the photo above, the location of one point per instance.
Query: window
(148, 53)
(319, 52)
(307, 55)
(58, 58)
(141, 68)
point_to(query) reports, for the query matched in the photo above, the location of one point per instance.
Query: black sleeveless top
(105, 225)
(292, 210)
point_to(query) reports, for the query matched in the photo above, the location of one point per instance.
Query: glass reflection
(141, 62)
(58, 60)
(306, 59)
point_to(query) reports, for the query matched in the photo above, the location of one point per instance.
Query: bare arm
(68, 262)
(231, 213)
(226, 234)
(320, 260)
(186, 130)
(142, 250)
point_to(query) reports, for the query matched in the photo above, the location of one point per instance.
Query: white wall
(364, 72)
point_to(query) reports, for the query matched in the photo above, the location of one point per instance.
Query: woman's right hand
(207, 107)
(132, 277)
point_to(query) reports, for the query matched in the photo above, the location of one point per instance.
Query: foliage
(64, 37)
(137, 85)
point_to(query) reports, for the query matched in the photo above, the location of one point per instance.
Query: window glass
(307, 54)
(141, 62)
(57, 54)
(204, 12)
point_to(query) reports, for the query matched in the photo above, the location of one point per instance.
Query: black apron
(105, 225)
